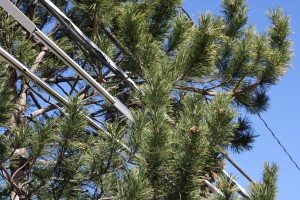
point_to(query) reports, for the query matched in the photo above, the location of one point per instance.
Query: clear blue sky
(284, 112)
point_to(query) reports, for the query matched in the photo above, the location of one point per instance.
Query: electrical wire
(278, 141)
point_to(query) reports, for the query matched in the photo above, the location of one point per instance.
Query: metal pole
(239, 168)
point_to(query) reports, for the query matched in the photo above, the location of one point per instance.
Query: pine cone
(222, 110)
(194, 129)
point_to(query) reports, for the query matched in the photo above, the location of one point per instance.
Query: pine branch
(42, 111)
(202, 91)
(39, 59)
(10, 180)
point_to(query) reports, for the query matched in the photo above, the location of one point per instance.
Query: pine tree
(196, 80)
(267, 188)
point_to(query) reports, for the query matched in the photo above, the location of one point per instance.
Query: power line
(280, 144)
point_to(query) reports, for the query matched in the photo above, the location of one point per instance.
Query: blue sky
(283, 114)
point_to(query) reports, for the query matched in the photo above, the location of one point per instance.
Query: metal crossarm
(31, 27)
(13, 62)
(81, 38)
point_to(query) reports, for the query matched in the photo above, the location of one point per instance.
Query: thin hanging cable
(280, 144)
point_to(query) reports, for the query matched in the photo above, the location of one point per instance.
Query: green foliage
(155, 135)
(243, 136)
(180, 28)
(161, 14)
(199, 55)
(235, 16)
(267, 188)
(227, 187)
(190, 145)
(135, 186)
(7, 104)
(195, 80)
(219, 117)
(132, 28)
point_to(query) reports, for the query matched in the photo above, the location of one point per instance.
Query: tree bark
(19, 165)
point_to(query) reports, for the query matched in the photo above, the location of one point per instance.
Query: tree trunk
(19, 163)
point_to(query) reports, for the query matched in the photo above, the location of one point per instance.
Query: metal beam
(81, 38)
(31, 27)
(13, 62)
(213, 188)
(39, 82)
(241, 191)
